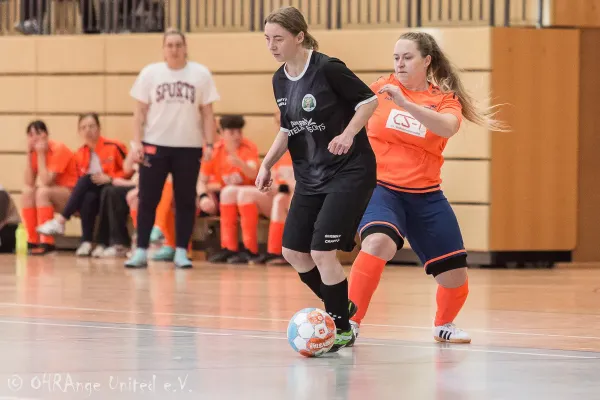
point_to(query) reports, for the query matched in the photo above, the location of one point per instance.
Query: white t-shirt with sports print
(174, 97)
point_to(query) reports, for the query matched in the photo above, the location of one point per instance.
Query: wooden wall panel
(12, 131)
(63, 128)
(474, 223)
(70, 54)
(22, 55)
(70, 94)
(119, 127)
(245, 94)
(534, 168)
(588, 220)
(117, 95)
(262, 131)
(471, 141)
(582, 13)
(13, 167)
(466, 181)
(131, 53)
(18, 94)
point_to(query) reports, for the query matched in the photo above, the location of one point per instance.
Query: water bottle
(21, 240)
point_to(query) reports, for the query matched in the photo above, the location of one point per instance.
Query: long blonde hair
(442, 73)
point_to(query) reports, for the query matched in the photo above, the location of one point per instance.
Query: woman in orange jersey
(52, 166)
(273, 204)
(421, 105)
(234, 165)
(99, 161)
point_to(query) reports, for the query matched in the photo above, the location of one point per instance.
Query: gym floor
(82, 328)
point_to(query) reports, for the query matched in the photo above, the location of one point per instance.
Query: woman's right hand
(264, 180)
(137, 148)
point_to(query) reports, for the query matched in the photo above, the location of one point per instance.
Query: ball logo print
(309, 103)
(311, 332)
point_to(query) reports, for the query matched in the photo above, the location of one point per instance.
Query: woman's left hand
(395, 93)
(101, 179)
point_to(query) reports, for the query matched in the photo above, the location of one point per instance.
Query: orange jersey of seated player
(220, 170)
(409, 156)
(60, 160)
(283, 171)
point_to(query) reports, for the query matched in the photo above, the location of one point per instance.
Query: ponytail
(445, 75)
(292, 20)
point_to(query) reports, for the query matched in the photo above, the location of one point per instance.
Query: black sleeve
(346, 84)
(282, 105)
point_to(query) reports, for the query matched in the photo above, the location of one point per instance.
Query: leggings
(114, 214)
(183, 163)
(85, 198)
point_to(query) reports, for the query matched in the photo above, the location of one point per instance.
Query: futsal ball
(311, 332)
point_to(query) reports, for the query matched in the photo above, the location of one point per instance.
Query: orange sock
(164, 210)
(364, 278)
(30, 221)
(229, 232)
(274, 243)
(45, 214)
(249, 225)
(133, 213)
(167, 227)
(450, 302)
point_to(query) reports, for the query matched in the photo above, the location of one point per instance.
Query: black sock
(312, 279)
(336, 303)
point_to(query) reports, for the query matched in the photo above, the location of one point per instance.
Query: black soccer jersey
(316, 106)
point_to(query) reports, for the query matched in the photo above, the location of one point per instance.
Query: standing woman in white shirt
(174, 120)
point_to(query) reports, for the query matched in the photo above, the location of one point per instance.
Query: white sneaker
(451, 334)
(84, 250)
(98, 251)
(114, 252)
(51, 228)
(356, 329)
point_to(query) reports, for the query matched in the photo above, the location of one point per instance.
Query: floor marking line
(40, 306)
(196, 332)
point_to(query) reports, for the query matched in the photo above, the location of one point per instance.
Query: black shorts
(324, 222)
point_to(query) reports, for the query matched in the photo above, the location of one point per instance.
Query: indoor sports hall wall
(505, 197)
(57, 77)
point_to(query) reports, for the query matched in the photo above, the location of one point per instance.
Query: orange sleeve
(59, 161)
(451, 105)
(208, 167)
(120, 156)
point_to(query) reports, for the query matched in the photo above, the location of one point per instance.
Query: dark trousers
(85, 198)
(114, 212)
(8, 241)
(184, 166)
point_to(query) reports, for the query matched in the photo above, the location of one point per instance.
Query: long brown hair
(444, 74)
(292, 20)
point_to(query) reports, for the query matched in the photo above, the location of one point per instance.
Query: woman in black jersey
(324, 109)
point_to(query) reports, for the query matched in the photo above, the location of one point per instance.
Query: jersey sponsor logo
(175, 92)
(309, 125)
(309, 103)
(404, 122)
(282, 102)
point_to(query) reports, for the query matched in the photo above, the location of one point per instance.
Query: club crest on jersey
(404, 122)
(309, 103)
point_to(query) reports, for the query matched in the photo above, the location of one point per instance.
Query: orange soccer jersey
(283, 170)
(409, 157)
(220, 170)
(60, 160)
